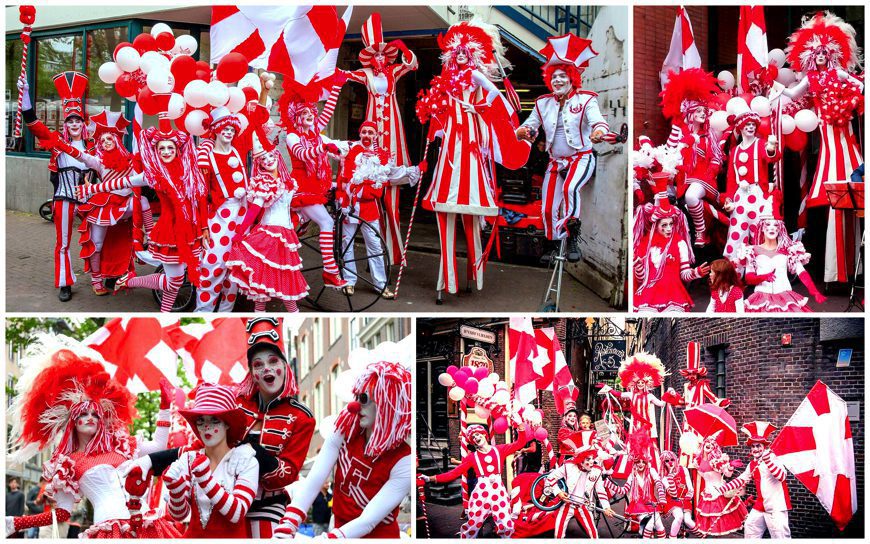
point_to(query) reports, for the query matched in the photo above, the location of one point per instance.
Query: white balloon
(160, 81)
(109, 72)
(160, 28)
(726, 80)
(128, 59)
(195, 122)
(501, 397)
(359, 358)
(494, 378)
(152, 60)
(176, 106)
(736, 106)
(776, 57)
(481, 412)
(195, 94)
(689, 443)
(446, 380)
(485, 389)
(806, 120)
(326, 428)
(760, 105)
(788, 124)
(456, 393)
(250, 80)
(186, 44)
(785, 76)
(719, 120)
(343, 385)
(217, 93)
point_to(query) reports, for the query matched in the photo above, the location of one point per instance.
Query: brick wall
(767, 381)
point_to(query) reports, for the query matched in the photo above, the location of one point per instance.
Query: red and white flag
(683, 52)
(249, 30)
(529, 363)
(816, 446)
(138, 352)
(560, 382)
(751, 44)
(214, 352)
(303, 45)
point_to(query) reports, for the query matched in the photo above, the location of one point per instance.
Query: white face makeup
(756, 449)
(166, 150)
(571, 419)
(640, 465)
(212, 430)
(699, 115)
(269, 162)
(665, 227)
(227, 134)
(107, 142)
(821, 57)
(75, 126)
(306, 118)
(560, 82)
(770, 229)
(268, 371)
(749, 129)
(479, 440)
(380, 59)
(87, 423)
(368, 412)
(588, 463)
(461, 57)
(367, 136)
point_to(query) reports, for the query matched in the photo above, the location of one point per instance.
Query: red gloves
(293, 518)
(754, 279)
(339, 78)
(332, 148)
(199, 468)
(811, 287)
(400, 45)
(423, 166)
(167, 391)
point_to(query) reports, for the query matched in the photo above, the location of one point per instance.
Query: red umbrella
(707, 419)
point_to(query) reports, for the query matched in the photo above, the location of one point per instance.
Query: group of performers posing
(757, 250)
(227, 228)
(223, 473)
(688, 487)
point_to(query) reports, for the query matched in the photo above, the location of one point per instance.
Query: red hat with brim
(219, 401)
(758, 432)
(373, 41)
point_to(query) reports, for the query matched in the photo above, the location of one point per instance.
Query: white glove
(177, 470)
(125, 468)
(24, 89)
(10, 525)
(293, 518)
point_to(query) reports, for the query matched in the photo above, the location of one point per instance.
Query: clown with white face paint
(572, 123)
(214, 485)
(371, 457)
(585, 483)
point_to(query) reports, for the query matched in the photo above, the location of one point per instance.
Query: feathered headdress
(639, 444)
(55, 389)
(830, 32)
(388, 385)
(295, 99)
(639, 366)
(687, 90)
(481, 41)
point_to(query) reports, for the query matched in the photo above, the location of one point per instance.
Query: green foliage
(20, 332)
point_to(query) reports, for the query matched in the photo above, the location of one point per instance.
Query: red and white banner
(816, 446)
(683, 52)
(528, 362)
(751, 44)
(561, 382)
(214, 352)
(305, 42)
(138, 352)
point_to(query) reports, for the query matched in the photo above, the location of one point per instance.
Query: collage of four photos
(412, 271)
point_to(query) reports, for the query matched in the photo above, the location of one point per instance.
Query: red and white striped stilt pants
(447, 271)
(560, 194)
(392, 230)
(63, 213)
(581, 514)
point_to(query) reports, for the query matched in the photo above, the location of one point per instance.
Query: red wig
(572, 71)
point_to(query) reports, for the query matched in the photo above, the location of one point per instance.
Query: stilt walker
(380, 74)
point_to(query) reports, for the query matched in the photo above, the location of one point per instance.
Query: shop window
(13, 67)
(53, 56)
(101, 46)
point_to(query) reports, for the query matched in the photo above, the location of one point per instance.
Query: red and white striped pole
(27, 16)
(410, 225)
(463, 447)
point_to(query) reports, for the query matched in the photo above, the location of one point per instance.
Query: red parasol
(706, 419)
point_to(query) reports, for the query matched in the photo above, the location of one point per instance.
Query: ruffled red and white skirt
(667, 295)
(266, 264)
(105, 209)
(787, 301)
(125, 528)
(721, 516)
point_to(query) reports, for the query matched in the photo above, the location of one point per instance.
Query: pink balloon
(452, 369)
(471, 386)
(481, 372)
(460, 377)
(541, 433)
(500, 425)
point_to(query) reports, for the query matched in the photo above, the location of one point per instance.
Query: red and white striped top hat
(758, 431)
(568, 49)
(473, 430)
(220, 401)
(373, 40)
(71, 87)
(693, 360)
(108, 121)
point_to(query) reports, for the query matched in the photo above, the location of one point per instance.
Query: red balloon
(764, 128)
(183, 69)
(27, 15)
(250, 94)
(179, 122)
(721, 100)
(232, 67)
(202, 65)
(144, 42)
(126, 86)
(165, 41)
(119, 47)
(796, 141)
(204, 75)
(747, 97)
(146, 101)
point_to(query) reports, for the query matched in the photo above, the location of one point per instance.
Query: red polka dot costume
(227, 181)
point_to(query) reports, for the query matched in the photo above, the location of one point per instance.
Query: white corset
(777, 263)
(105, 489)
(278, 214)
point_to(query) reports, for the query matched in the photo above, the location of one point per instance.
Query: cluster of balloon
(794, 127)
(158, 72)
(490, 397)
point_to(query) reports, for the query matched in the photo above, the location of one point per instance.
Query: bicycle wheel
(542, 500)
(186, 299)
(322, 298)
(45, 210)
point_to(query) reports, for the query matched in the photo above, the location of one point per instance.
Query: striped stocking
(147, 219)
(260, 306)
(697, 213)
(171, 293)
(327, 240)
(151, 281)
(290, 306)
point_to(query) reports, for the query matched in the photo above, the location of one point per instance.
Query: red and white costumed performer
(176, 240)
(663, 258)
(372, 460)
(265, 263)
(585, 484)
(365, 177)
(380, 74)
(489, 498)
(770, 510)
(718, 512)
(748, 185)
(471, 119)
(105, 233)
(568, 427)
(572, 123)
(825, 51)
(70, 402)
(214, 482)
(696, 391)
(225, 174)
(679, 488)
(643, 489)
(66, 171)
(768, 265)
(309, 154)
(686, 99)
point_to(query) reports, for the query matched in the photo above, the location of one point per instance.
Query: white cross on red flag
(751, 44)
(683, 52)
(214, 352)
(816, 446)
(560, 381)
(528, 361)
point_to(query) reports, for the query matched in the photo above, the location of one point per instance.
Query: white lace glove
(125, 468)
